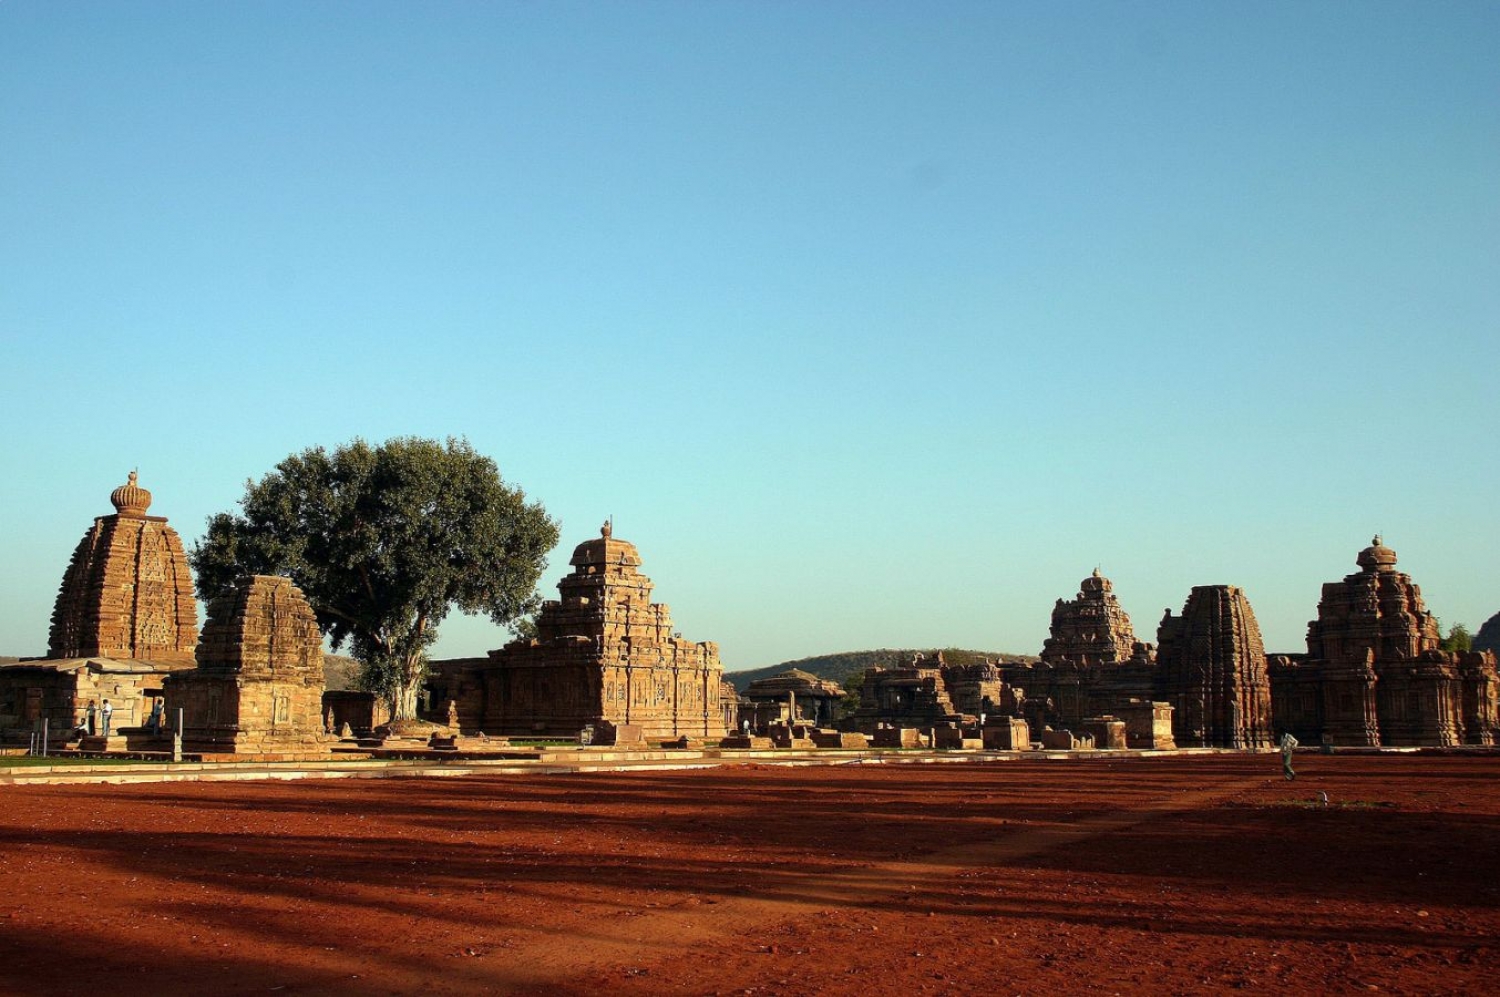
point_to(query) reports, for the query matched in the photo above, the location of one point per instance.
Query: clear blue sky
(872, 324)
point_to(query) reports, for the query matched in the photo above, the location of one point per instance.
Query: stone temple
(258, 687)
(124, 619)
(1374, 673)
(605, 656)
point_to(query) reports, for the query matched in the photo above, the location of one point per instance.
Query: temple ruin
(915, 696)
(605, 657)
(258, 687)
(1211, 667)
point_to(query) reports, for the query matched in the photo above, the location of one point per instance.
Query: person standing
(1288, 745)
(154, 723)
(89, 716)
(105, 712)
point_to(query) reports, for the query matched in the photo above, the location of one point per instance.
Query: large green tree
(384, 541)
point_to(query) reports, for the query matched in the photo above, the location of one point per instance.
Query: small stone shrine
(791, 697)
(915, 696)
(1211, 668)
(605, 656)
(258, 687)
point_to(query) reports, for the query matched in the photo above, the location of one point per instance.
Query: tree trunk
(406, 687)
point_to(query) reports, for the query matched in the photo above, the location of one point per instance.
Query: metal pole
(177, 738)
(44, 737)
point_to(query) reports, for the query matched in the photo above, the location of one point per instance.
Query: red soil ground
(1147, 876)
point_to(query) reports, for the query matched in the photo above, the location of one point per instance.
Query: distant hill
(840, 667)
(1488, 637)
(339, 672)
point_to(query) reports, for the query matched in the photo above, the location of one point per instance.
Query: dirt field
(1148, 876)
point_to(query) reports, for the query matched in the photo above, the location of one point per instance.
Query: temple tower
(1091, 629)
(128, 593)
(1212, 670)
(1377, 608)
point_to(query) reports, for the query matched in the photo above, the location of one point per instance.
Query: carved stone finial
(130, 498)
(608, 529)
(1377, 557)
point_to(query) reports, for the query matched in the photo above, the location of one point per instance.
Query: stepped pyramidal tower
(1091, 629)
(1375, 673)
(604, 655)
(128, 593)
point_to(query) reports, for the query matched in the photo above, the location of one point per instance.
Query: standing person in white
(1288, 745)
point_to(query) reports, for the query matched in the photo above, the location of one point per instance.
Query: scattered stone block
(1065, 740)
(899, 737)
(955, 738)
(620, 735)
(1108, 732)
(750, 742)
(1006, 734)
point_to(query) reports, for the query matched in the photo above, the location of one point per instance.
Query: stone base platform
(747, 742)
(840, 739)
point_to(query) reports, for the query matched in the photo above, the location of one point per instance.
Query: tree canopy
(384, 541)
(1458, 639)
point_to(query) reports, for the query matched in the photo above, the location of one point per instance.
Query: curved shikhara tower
(128, 593)
(1212, 669)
